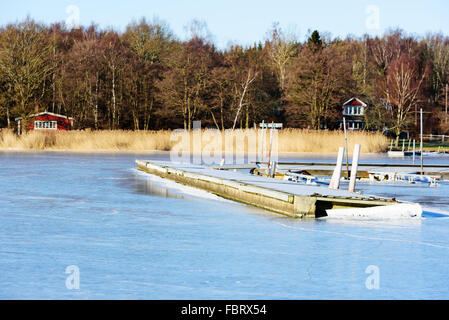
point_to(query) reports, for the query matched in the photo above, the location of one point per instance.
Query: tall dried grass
(289, 140)
(297, 140)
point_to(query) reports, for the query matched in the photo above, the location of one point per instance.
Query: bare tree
(403, 84)
(439, 51)
(24, 64)
(316, 83)
(281, 49)
(184, 84)
(244, 89)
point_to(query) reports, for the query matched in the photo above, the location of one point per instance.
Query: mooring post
(414, 150)
(421, 147)
(355, 162)
(335, 181)
(273, 167)
(271, 143)
(196, 147)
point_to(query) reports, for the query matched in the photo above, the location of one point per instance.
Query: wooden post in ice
(271, 144)
(355, 163)
(421, 147)
(335, 181)
(262, 138)
(273, 167)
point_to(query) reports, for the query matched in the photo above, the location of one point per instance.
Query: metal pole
(446, 104)
(414, 149)
(421, 147)
(346, 147)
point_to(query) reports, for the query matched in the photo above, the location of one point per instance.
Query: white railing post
(335, 181)
(354, 166)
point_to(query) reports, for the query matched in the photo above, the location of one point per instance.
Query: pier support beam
(335, 181)
(354, 166)
(304, 206)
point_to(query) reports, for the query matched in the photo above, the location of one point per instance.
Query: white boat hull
(396, 211)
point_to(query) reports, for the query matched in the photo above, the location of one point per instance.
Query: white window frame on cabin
(349, 111)
(360, 110)
(354, 111)
(45, 125)
(355, 125)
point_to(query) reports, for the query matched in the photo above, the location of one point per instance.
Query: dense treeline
(145, 78)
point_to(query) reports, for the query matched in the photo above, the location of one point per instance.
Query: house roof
(360, 102)
(45, 112)
(391, 101)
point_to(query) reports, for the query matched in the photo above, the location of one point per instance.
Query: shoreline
(286, 141)
(165, 152)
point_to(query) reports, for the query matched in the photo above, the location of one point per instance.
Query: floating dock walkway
(365, 169)
(280, 196)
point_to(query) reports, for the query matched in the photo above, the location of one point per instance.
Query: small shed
(45, 121)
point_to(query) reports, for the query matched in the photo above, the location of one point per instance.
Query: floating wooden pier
(366, 169)
(402, 154)
(284, 197)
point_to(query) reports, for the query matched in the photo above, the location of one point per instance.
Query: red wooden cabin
(45, 121)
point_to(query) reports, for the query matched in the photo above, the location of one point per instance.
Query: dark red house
(45, 121)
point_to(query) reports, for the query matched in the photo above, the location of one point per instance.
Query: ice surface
(133, 238)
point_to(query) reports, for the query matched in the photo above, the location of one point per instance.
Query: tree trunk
(113, 98)
(7, 117)
(148, 117)
(249, 80)
(96, 103)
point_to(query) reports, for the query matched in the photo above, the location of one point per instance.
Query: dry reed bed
(288, 140)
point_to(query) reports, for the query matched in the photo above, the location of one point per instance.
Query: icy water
(132, 237)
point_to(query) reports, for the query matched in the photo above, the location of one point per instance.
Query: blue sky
(246, 21)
